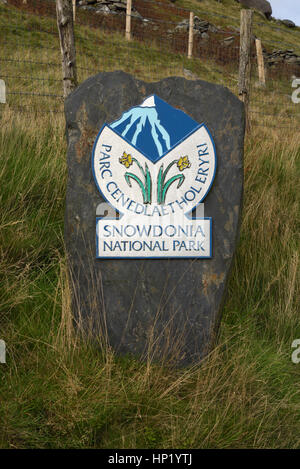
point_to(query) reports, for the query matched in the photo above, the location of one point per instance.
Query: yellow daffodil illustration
(163, 185)
(183, 163)
(126, 159)
(145, 183)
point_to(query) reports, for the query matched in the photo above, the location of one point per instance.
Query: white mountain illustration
(154, 127)
(137, 117)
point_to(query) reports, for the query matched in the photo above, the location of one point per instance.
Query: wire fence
(30, 57)
(30, 61)
(274, 104)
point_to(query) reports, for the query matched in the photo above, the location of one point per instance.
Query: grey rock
(107, 7)
(88, 8)
(103, 10)
(275, 59)
(260, 5)
(200, 26)
(287, 56)
(120, 6)
(229, 40)
(182, 26)
(289, 23)
(179, 299)
(136, 14)
(292, 60)
(212, 28)
(198, 23)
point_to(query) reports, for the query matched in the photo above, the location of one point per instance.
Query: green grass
(31, 64)
(31, 61)
(227, 14)
(59, 392)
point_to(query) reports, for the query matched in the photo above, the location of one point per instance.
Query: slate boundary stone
(162, 308)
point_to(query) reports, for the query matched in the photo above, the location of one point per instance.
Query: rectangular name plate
(117, 238)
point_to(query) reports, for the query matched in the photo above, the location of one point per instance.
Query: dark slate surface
(162, 307)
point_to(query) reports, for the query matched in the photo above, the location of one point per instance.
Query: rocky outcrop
(261, 5)
(105, 7)
(287, 56)
(288, 23)
(201, 27)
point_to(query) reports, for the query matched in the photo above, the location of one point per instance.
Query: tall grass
(56, 390)
(59, 392)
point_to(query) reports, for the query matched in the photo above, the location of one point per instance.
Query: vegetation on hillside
(57, 391)
(269, 31)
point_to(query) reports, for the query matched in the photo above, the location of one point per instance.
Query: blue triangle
(154, 130)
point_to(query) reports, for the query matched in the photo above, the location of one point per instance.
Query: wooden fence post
(2, 92)
(128, 20)
(191, 35)
(245, 61)
(260, 62)
(74, 10)
(64, 12)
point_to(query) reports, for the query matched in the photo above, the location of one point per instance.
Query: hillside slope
(60, 392)
(31, 62)
(269, 31)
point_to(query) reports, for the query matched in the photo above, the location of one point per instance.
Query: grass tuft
(60, 392)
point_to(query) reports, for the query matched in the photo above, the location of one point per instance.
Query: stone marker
(148, 268)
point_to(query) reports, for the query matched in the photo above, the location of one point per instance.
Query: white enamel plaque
(154, 165)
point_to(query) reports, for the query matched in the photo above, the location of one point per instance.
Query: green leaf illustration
(129, 176)
(159, 184)
(148, 181)
(145, 187)
(179, 177)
